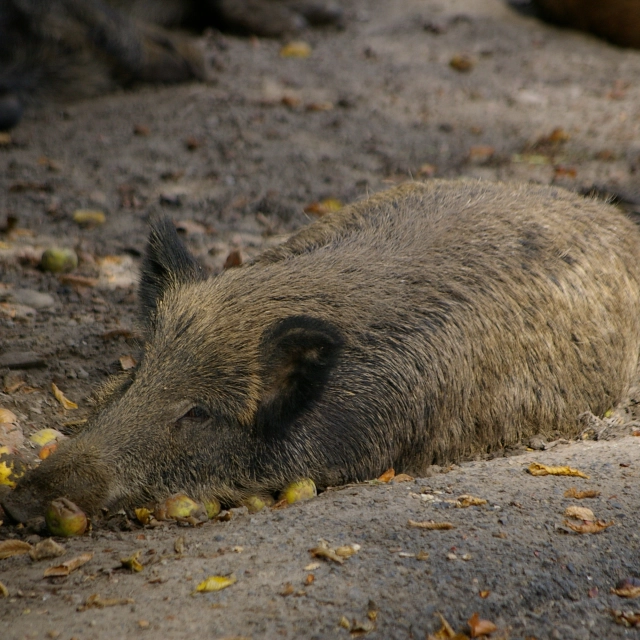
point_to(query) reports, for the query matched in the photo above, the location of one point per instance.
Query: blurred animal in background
(73, 49)
(616, 20)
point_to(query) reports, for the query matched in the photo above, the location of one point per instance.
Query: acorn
(66, 519)
(59, 260)
(299, 491)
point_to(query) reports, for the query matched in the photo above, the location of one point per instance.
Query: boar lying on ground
(615, 20)
(424, 325)
(70, 49)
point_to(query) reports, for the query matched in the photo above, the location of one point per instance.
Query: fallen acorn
(65, 519)
(59, 260)
(180, 507)
(257, 503)
(299, 491)
(212, 507)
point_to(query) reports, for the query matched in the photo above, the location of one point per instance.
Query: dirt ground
(410, 89)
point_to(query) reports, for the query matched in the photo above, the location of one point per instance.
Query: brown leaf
(579, 513)
(68, 567)
(46, 549)
(538, 469)
(402, 477)
(432, 526)
(588, 527)
(387, 476)
(62, 399)
(462, 62)
(572, 492)
(94, 601)
(480, 627)
(4, 592)
(8, 417)
(484, 594)
(287, 590)
(626, 618)
(627, 588)
(10, 548)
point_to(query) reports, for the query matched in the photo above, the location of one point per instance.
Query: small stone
(31, 298)
(59, 260)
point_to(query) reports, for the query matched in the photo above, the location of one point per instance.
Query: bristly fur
(424, 325)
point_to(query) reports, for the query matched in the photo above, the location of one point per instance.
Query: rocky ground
(410, 89)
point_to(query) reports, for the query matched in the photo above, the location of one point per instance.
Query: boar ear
(166, 262)
(297, 355)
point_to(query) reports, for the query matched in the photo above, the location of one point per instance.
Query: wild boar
(615, 20)
(424, 325)
(71, 49)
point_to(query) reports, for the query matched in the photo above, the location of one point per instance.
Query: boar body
(424, 325)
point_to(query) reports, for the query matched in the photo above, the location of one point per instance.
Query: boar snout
(76, 471)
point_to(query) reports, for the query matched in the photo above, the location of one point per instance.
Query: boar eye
(196, 413)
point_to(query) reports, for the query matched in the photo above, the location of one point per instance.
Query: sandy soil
(237, 161)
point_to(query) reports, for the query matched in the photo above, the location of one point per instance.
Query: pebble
(31, 298)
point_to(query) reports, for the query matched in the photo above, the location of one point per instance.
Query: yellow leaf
(470, 501)
(538, 469)
(215, 583)
(296, 49)
(62, 399)
(88, 217)
(132, 562)
(45, 436)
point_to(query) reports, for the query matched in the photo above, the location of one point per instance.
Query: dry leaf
(432, 526)
(79, 281)
(403, 477)
(4, 592)
(127, 363)
(538, 469)
(588, 527)
(62, 399)
(480, 627)
(132, 563)
(8, 417)
(348, 550)
(68, 567)
(215, 583)
(422, 555)
(446, 631)
(470, 501)
(484, 594)
(387, 476)
(324, 551)
(344, 623)
(309, 579)
(579, 513)
(322, 208)
(627, 588)
(287, 590)
(89, 217)
(296, 49)
(462, 62)
(10, 548)
(178, 545)
(94, 601)
(572, 492)
(46, 549)
(626, 618)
